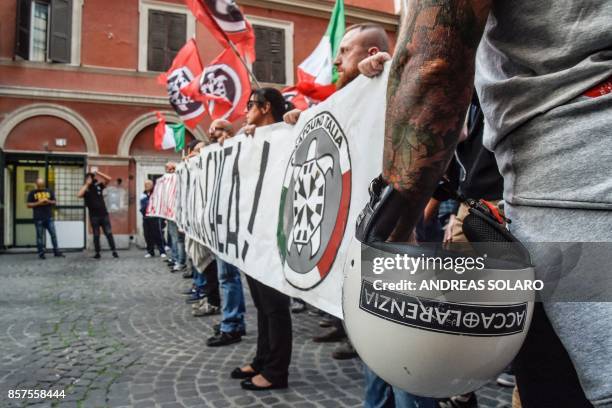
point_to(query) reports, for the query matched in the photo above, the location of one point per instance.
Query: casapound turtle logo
(314, 203)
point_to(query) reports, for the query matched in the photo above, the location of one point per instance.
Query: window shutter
(167, 34)
(177, 33)
(270, 50)
(22, 39)
(60, 31)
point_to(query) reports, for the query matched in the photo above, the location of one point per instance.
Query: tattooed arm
(429, 90)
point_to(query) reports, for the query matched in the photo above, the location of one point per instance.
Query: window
(163, 30)
(44, 30)
(167, 34)
(274, 50)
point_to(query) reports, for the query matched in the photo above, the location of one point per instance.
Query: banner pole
(257, 85)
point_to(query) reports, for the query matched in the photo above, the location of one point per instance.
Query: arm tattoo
(429, 89)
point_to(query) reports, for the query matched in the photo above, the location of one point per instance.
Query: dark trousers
(274, 334)
(41, 226)
(103, 222)
(545, 375)
(152, 234)
(211, 286)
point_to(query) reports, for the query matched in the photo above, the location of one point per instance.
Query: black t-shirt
(94, 200)
(42, 212)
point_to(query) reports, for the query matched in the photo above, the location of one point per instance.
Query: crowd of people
(474, 171)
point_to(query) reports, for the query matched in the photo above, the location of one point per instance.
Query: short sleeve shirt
(42, 212)
(94, 200)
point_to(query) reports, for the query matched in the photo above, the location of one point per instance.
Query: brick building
(78, 90)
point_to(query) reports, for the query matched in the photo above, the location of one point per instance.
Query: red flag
(185, 67)
(224, 85)
(299, 100)
(226, 22)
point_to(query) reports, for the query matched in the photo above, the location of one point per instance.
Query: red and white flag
(224, 86)
(185, 67)
(226, 22)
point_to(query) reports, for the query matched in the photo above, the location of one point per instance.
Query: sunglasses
(252, 103)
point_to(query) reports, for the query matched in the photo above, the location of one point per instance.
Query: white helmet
(434, 343)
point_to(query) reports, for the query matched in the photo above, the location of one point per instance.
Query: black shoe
(330, 337)
(224, 339)
(115, 254)
(248, 385)
(97, 255)
(238, 374)
(42, 256)
(59, 255)
(217, 330)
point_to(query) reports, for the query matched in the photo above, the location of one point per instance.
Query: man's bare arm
(430, 86)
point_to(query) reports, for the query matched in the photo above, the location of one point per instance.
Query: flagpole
(257, 85)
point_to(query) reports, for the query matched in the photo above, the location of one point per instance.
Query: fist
(249, 130)
(292, 116)
(374, 65)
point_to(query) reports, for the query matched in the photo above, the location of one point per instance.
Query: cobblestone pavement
(117, 333)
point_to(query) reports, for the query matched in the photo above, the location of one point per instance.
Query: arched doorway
(51, 142)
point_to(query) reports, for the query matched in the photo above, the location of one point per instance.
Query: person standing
(232, 326)
(41, 201)
(150, 225)
(270, 367)
(91, 191)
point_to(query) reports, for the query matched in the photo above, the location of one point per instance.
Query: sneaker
(147, 255)
(178, 268)
(115, 254)
(206, 310)
(163, 256)
(297, 306)
(189, 292)
(459, 401)
(345, 351)
(97, 255)
(42, 256)
(223, 339)
(169, 260)
(59, 255)
(195, 297)
(506, 380)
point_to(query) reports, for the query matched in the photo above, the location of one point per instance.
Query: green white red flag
(169, 136)
(316, 74)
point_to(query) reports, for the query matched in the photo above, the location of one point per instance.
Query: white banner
(162, 202)
(282, 205)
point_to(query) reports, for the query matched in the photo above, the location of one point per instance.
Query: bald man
(360, 41)
(220, 130)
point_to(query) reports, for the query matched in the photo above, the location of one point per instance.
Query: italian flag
(169, 136)
(316, 74)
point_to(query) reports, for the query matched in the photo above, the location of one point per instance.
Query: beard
(346, 77)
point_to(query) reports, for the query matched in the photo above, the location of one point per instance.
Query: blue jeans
(177, 240)
(232, 301)
(199, 279)
(41, 226)
(379, 394)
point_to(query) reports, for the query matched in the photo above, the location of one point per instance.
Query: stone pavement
(117, 333)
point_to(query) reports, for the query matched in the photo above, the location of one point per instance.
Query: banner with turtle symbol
(282, 205)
